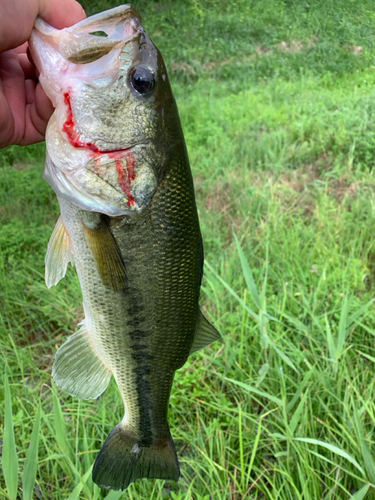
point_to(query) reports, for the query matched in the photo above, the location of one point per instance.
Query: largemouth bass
(117, 160)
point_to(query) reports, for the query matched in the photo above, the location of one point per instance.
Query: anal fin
(59, 254)
(78, 370)
(205, 334)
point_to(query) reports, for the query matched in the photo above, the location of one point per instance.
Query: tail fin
(123, 459)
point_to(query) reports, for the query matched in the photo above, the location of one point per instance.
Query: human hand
(24, 107)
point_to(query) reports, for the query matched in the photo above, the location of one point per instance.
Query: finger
(36, 118)
(6, 121)
(17, 18)
(16, 22)
(30, 91)
(35, 127)
(61, 14)
(14, 93)
(27, 67)
(22, 49)
(43, 106)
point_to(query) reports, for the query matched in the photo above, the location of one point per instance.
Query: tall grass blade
(252, 313)
(360, 494)
(10, 459)
(343, 328)
(368, 460)
(250, 388)
(75, 495)
(366, 454)
(248, 275)
(330, 341)
(299, 390)
(367, 356)
(62, 441)
(31, 462)
(240, 439)
(297, 414)
(334, 449)
(60, 426)
(283, 356)
(114, 495)
(360, 313)
(254, 449)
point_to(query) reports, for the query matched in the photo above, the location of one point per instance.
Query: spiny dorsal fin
(59, 254)
(205, 334)
(78, 370)
(106, 255)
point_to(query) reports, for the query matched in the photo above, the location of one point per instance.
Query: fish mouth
(95, 36)
(57, 53)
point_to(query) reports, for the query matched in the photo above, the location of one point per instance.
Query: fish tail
(124, 458)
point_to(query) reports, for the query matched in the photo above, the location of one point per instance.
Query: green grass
(277, 104)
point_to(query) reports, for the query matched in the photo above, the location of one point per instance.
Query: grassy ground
(277, 104)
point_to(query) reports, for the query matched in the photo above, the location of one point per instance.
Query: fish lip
(127, 10)
(77, 45)
(86, 25)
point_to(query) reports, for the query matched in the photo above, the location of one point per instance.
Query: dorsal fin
(59, 254)
(205, 334)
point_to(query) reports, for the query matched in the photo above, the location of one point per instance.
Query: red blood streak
(125, 175)
(68, 128)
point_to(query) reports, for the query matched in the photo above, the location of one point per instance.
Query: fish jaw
(100, 130)
(61, 54)
(96, 180)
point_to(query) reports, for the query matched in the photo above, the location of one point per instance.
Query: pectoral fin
(59, 254)
(204, 335)
(106, 255)
(78, 369)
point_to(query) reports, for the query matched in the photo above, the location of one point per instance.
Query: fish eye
(142, 80)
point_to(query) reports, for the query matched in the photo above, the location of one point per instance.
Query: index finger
(61, 13)
(17, 18)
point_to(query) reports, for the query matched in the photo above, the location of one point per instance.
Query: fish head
(107, 138)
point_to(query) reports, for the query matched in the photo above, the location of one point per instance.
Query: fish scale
(117, 160)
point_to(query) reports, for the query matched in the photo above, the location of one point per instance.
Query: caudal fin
(123, 459)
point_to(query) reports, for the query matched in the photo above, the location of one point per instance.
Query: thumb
(61, 14)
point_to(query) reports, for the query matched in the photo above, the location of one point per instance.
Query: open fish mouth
(93, 37)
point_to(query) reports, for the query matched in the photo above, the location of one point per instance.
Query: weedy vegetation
(278, 106)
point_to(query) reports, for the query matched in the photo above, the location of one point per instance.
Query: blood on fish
(125, 175)
(68, 128)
